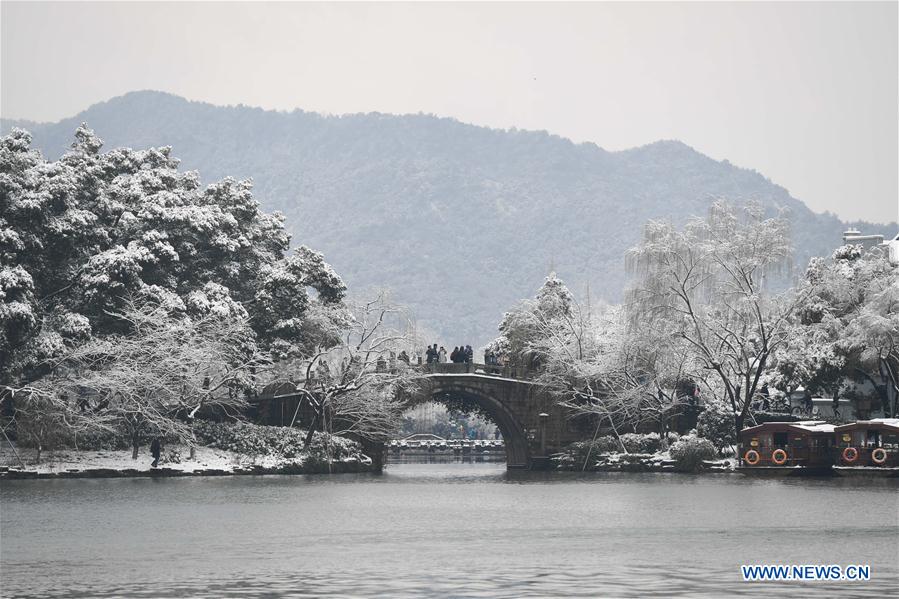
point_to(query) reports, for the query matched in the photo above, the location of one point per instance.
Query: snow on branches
(81, 234)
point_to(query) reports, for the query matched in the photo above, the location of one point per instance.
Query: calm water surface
(441, 530)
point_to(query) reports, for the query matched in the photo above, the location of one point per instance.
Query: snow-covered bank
(207, 462)
(645, 453)
(642, 462)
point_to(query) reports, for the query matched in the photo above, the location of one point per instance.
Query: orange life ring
(779, 457)
(752, 457)
(850, 454)
(879, 456)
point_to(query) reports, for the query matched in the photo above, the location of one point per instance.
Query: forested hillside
(459, 220)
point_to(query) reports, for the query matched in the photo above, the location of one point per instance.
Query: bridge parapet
(505, 371)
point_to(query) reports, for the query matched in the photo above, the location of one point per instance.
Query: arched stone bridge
(532, 424)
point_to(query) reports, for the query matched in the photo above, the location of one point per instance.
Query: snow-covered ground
(206, 458)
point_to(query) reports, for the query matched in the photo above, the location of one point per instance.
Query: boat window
(781, 439)
(872, 438)
(890, 441)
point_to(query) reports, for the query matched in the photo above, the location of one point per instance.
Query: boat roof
(890, 424)
(805, 426)
(814, 426)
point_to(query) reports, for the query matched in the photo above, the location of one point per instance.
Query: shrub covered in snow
(99, 440)
(275, 441)
(689, 452)
(716, 423)
(636, 443)
(575, 454)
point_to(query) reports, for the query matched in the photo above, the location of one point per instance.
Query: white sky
(807, 93)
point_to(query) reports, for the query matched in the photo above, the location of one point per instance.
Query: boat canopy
(884, 424)
(805, 426)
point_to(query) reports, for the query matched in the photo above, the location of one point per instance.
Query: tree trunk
(738, 422)
(40, 444)
(308, 440)
(327, 429)
(135, 444)
(617, 436)
(879, 389)
(592, 442)
(317, 411)
(889, 375)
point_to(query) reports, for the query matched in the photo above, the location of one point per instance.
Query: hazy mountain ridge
(460, 220)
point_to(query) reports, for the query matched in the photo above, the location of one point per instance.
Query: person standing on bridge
(454, 357)
(469, 354)
(432, 354)
(441, 355)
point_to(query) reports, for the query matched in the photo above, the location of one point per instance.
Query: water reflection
(397, 457)
(438, 530)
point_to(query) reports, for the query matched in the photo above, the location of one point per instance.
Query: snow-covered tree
(715, 423)
(876, 333)
(622, 379)
(298, 306)
(155, 378)
(81, 234)
(593, 364)
(706, 285)
(846, 329)
(352, 380)
(549, 312)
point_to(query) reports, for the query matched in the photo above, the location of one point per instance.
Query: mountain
(459, 221)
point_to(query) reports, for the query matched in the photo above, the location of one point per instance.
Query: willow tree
(707, 285)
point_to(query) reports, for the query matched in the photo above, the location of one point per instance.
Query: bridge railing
(505, 371)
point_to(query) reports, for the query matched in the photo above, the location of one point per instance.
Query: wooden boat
(787, 448)
(867, 448)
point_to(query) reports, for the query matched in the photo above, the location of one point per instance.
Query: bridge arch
(451, 390)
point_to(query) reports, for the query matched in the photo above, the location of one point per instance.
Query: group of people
(460, 355)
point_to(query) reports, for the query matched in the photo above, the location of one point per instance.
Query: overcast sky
(807, 93)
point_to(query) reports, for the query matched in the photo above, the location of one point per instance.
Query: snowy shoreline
(207, 462)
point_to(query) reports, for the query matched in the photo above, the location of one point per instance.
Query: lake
(442, 529)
